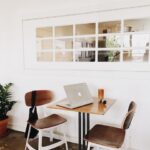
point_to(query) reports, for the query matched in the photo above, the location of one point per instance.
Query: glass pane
(44, 32)
(64, 44)
(109, 41)
(64, 56)
(64, 30)
(136, 40)
(136, 55)
(137, 25)
(44, 44)
(84, 29)
(45, 56)
(85, 43)
(109, 27)
(108, 56)
(85, 56)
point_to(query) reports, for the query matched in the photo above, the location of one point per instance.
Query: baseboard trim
(71, 139)
(16, 127)
(20, 128)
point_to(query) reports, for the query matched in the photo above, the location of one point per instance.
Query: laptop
(77, 95)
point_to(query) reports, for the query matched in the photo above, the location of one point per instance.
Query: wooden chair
(132, 105)
(109, 137)
(44, 124)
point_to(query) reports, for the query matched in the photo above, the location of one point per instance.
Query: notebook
(77, 95)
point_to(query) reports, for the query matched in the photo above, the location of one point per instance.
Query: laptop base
(65, 103)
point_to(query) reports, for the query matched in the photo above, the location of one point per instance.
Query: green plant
(112, 42)
(5, 100)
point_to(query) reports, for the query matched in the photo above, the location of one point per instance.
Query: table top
(95, 108)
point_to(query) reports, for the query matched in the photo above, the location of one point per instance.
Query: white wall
(123, 86)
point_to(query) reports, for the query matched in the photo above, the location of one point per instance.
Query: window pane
(64, 30)
(44, 32)
(84, 29)
(136, 55)
(85, 56)
(44, 44)
(45, 56)
(64, 56)
(109, 41)
(136, 40)
(85, 43)
(137, 25)
(109, 27)
(108, 56)
(64, 44)
(43, 41)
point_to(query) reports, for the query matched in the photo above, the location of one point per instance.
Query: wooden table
(84, 116)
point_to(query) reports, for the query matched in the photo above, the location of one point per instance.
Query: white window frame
(29, 40)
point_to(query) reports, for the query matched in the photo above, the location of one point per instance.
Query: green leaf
(6, 103)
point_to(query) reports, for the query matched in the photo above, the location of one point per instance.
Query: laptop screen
(77, 92)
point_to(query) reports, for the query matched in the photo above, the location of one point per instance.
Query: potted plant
(5, 106)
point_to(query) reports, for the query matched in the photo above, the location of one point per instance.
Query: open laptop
(77, 95)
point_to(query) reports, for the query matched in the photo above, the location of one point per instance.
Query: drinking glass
(100, 94)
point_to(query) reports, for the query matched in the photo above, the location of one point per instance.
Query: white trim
(18, 127)
(84, 10)
(30, 55)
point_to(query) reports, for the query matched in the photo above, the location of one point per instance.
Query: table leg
(88, 122)
(88, 125)
(84, 130)
(83, 127)
(79, 128)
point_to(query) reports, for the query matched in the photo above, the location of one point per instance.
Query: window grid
(96, 43)
(96, 37)
(122, 31)
(54, 44)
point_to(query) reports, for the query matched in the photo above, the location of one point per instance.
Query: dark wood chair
(110, 137)
(132, 105)
(48, 123)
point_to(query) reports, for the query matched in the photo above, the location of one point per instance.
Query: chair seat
(47, 122)
(106, 136)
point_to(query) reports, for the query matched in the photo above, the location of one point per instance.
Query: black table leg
(79, 128)
(84, 130)
(88, 122)
(84, 126)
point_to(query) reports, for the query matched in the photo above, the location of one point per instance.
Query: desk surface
(94, 108)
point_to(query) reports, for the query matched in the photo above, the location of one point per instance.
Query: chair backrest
(41, 97)
(132, 105)
(129, 116)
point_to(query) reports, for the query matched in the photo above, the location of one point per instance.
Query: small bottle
(100, 94)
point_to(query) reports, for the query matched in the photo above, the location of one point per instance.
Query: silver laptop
(77, 95)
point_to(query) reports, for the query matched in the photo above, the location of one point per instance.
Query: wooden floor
(16, 141)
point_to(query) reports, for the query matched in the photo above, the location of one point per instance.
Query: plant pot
(3, 127)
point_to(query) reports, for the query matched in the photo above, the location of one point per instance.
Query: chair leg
(89, 145)
(51, 135)
(27, 140)
(40, 140)
(66, 144)
(127, 141)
